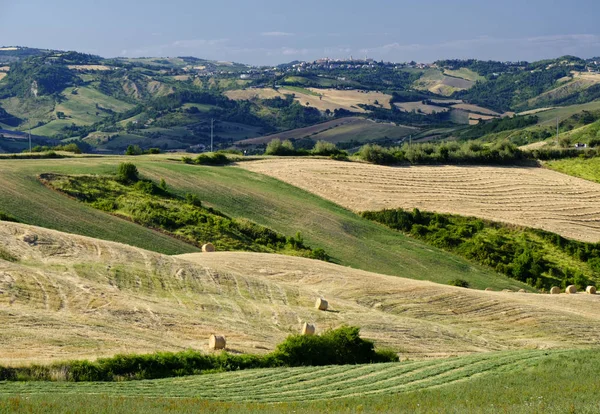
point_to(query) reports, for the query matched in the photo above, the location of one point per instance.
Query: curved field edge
(588, 169)
(370, 384)
(525, 196)
(349, 239)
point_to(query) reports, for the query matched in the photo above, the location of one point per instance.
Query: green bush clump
(459, 283)
(327, 149)
(336, 347)
(128, 172)
(217, 158)
(527, 255)
(282, 148)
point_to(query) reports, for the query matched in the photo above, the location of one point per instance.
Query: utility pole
(212, 121)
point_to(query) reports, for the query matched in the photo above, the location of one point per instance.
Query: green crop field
(465, 73)
(348, 238)
(516, 382)
(588, 169)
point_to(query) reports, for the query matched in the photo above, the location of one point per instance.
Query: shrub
(153, 151)
(216, 158)
(375, 154)
(134, 150)
(128, 172)
(277, 147)
(325, 148)
(459, 282)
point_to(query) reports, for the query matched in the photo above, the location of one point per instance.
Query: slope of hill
(239, 194)
(66, 296)
(532, 197)
(346, 130)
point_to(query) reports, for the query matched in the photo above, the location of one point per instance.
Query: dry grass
(341, 130)
(475, 109)
(324, 99)
(2, 75)
(421, 107)
(89, 67)
(532, 197)
(76, 297)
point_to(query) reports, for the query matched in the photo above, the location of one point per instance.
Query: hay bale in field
(522, 291)
(321, 304)
(216, 342)
(489, 289)
(570, 290)
(208, 248)
(555, 290)
(590, 290)
(308, 329)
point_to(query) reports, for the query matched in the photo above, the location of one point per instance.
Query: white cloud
(277, 34)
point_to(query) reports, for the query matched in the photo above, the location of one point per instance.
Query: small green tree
(134, 150)
(128, 172)
(163, 184)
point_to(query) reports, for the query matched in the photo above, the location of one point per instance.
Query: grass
(298, 89)
(516, 382)
(588, 169)
(562, 112)
(348, 238)
(465, 73)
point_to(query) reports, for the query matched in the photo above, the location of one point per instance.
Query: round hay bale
(216, 342)
(489, 289)
(522, 291)
(570, 290)
(321, 304)
(308, 329)
(590, 290)
(208, 248)
(555, 290)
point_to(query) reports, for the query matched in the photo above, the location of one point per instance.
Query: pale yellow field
(8, 48)
(331, 99)
(2, 75)
(420, 106)
(89, 67)
(72, 297)
(476, 109)
(4, 68)
(533, 197)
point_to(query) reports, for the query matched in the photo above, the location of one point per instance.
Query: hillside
(66, 296)
(105, 105)
(239, 194)
(532, 197)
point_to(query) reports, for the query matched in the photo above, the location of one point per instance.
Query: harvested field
(89, 67)
(2, 75)
(421, 107)
(69, 296)
(321, 99)
(532, 197)
(475, 109)
(340, 130)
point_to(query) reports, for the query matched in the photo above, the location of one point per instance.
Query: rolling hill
(66, 296)
(532, 197)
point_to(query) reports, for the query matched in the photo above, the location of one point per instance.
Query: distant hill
(169, 103)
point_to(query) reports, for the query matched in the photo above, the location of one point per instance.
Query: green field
(465, 73)
(298, 89)
(562, 112)
(348, 238)
(588, 169)
(515, 382)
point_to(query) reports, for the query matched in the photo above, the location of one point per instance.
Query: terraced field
(67, 296)
(532, 197)
(294, 384)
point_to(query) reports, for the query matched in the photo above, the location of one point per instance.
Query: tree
(60, 115)
(134, 150)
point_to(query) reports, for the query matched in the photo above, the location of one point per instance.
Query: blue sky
(270, 32)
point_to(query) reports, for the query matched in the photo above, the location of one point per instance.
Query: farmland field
(588, 169)
(238, 193)
(421, 107)
(531, 197)
(341, 130)
(435, 81)
(523, 382)
(102, 298)
(321, 99)
(465, 73)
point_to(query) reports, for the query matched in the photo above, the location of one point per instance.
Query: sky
(268, 32)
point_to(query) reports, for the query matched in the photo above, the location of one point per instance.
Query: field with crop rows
(531, 197)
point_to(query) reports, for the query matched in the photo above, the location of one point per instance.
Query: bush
(277, 147)
(459, 282)
(134, 150)
(337, 347)
(216, 158)
(326, 148)
(128, 172)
